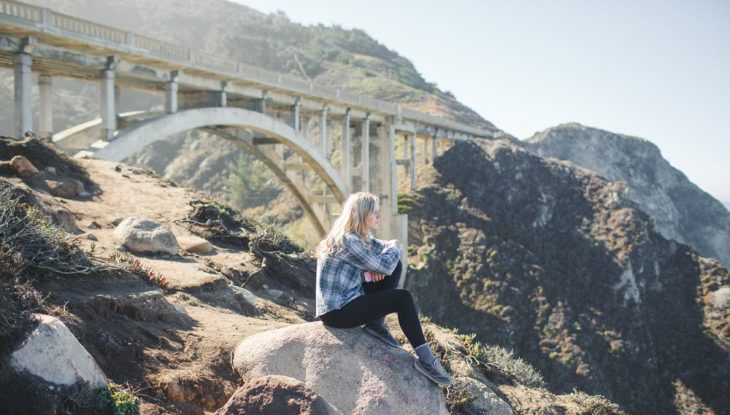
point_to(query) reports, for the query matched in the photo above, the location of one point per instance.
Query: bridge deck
(70, 47)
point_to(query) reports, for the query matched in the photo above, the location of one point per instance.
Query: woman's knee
(404, 296)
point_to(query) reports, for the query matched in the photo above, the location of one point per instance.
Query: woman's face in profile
(373, 220)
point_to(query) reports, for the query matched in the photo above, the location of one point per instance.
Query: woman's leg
(373, 306)
(390, 282)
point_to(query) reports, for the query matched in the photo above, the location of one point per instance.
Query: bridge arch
(223, 122)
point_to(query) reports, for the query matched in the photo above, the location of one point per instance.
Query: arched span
(298, 192)
(132, 139)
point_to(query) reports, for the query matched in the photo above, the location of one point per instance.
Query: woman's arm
(383, 262)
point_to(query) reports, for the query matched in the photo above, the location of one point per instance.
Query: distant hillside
(556, 263)
(682, 211)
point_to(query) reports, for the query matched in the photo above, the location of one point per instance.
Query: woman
(346, 300)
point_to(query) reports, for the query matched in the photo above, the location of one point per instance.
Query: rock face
(23, 167)
(276, 395)
(555, 263)
(46, 369)
(682, 211)
(53, 354)
(352, 371)
(145, 236)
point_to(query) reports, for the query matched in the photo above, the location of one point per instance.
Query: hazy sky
(659, 70)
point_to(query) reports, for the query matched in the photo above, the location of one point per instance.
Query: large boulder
(144, 236)
(276, 395)
(52, 353)
(48, 371)
(352, 371)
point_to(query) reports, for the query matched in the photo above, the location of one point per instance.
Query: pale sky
(659, 70)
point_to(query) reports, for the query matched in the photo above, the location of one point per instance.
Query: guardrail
(48, 21)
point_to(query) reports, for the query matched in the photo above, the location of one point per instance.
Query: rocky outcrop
(48, 367)
(54, 355)
(145, 236)
(352, 371)
(681, 210)
(555, 263)
(276, 395)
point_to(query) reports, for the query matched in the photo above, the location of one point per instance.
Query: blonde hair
(353, 217)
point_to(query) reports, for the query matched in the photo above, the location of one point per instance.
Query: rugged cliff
(682, 211)
(558, 264)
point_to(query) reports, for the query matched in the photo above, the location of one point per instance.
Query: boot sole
(425, 373)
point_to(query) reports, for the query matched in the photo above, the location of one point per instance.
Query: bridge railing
(21, 10)
(48, 21)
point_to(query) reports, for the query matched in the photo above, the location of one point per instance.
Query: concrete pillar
(365, 159)
(296, 115)
(384, 184)
(433, 148)
(220, 98)
(262, 103)
(171, 89)
(22, 63)
(393, 168)
(108, 105)
(323, 139)
(412, 163)
(45, 110)
(346, 149)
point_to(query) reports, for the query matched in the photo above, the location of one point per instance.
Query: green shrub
(119, 401)
(503, 361)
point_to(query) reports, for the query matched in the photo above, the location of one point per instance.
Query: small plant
(120, 401)
(502, 360)
(134, 265)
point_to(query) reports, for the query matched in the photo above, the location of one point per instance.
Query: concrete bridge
(322, 143)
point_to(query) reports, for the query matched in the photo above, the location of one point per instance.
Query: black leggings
(381, 298)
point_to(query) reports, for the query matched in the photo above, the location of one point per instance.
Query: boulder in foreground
(352, 371)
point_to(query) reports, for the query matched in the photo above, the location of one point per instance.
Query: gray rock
(484, 400)
(352, 371)
(65, 187)
(52, 353)
(145, 236)
(245, 294)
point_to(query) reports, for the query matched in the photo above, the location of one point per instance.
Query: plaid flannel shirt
(340, 274)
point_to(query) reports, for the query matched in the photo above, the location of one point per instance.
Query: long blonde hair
(353, 218)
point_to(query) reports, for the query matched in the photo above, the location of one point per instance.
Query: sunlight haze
(653, 69)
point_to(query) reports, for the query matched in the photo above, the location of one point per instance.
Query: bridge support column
(45, 109)
(384, 183)
(108, 101)
(346, 149)
(220, 98)
(433, 148)
(365, 159)
(323, 139)
(412, 158)
(171, 89)
(296, 116)
(22, 63)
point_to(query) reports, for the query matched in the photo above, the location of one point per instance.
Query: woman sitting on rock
(357, 276)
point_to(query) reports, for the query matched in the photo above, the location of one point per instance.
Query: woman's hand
(378, 277)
